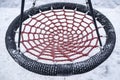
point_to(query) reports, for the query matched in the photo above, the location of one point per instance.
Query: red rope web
(59, 35)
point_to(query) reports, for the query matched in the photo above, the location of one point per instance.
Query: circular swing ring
(60, 39)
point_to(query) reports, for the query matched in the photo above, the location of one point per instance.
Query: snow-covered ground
(10, 70)
(98, 3)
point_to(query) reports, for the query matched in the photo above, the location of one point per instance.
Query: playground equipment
(60, 39)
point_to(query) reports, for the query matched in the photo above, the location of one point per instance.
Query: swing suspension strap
(21, 20)
(89, 5)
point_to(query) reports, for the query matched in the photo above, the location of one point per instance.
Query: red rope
(59, 35)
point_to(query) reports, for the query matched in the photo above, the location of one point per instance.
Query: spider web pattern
(59, 35)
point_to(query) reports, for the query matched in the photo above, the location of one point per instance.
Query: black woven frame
(60, 69)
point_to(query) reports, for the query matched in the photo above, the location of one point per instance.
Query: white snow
(97, 3)
(10, 70)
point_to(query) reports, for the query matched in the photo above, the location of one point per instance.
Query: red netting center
(59, 35)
